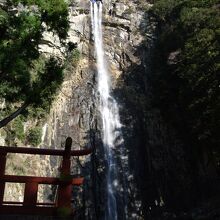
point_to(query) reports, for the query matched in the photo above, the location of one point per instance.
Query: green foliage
(34, 136)
(18, 128)
(75, 57)
(72, 60)
(46, 83)
(187, 90)
(53, 12)
(25, 75)
(37, 112)
(166, 9)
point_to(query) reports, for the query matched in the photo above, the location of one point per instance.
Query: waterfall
(44, 130)
(111, 134)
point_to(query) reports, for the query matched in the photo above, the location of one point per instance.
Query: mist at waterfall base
(115, 156)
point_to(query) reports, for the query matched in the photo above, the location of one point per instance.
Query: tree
(27, 77)
(188, 92)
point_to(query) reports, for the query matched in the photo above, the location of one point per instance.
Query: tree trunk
(11, 117)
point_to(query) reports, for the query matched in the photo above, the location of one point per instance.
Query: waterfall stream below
(112, 137)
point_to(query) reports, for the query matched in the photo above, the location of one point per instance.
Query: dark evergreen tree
(26, 77)
(187, 70)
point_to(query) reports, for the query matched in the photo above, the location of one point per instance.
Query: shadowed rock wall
(158, 170)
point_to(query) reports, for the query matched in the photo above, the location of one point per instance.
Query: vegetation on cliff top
(26, 77)
(187, 68)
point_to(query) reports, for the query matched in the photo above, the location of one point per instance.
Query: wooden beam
(16, 210)
(30, 194)
(40, 180)
(54, 152)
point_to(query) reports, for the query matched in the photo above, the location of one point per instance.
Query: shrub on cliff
(34, 136)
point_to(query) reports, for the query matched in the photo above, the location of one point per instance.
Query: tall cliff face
(156, 162)
(75, 112)
(159, 177)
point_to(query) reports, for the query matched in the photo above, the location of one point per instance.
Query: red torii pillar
(2, 173)
(65, 188)
(65, 182)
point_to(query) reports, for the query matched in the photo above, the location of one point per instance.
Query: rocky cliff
(75, 111)
(157, 165)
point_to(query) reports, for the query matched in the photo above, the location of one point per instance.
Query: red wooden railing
(65, 182)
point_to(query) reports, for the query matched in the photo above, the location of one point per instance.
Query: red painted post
(30, 194)
(2, 173)
(65, 182)
(65, 188)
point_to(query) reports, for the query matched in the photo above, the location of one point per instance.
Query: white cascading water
(112, 135)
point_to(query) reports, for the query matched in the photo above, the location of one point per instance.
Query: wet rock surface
(159, 176)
